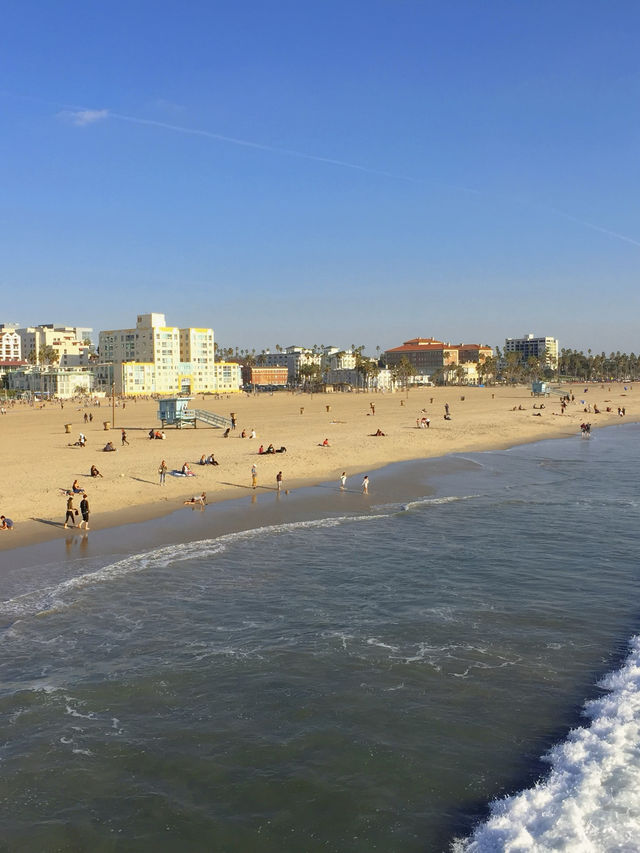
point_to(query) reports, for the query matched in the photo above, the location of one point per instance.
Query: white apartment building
(61, 382)
(292, 358)
(333, 358)
(542, 347)
(10, 346)
(67, 341)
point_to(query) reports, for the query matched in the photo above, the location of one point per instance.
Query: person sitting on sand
(152, 434)
(261, 449)
(212, 460)
(243, 434)
(281, 449)
(95, 472)
(270, 449)
(75, 488)
(325, 443)
(109, 448)
(5, 523)
(225, 434)
(377, 433)
(186, 470)
(253, 433)
(447, 417)
(203, 460)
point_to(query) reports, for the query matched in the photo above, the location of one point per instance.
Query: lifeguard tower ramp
(210, 418)
(175, 411)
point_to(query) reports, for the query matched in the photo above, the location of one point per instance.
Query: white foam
(51, 599)
(437, 501)
(590, 802)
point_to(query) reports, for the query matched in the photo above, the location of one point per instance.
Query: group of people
(364, 486)
(72, 511)
(155, 433)
(208, 460)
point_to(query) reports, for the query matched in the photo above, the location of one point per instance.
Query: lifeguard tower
(540, 389)
(174, 411)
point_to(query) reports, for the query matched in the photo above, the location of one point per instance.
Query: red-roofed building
(428, 355)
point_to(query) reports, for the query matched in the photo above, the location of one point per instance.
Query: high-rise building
(541, 347)
(154, 358)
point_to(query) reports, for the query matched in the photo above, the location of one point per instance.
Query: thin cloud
(81, 118)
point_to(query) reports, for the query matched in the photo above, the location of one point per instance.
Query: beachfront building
(228, 377)
(265, 376)
(333, 358)
(52, 381)
(543, 348)
(293, 358)
(69, 345)
(154, 358)
(443, 361)
(425, 355)
(10, 345)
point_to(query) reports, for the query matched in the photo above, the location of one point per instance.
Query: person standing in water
(365, 485)
(254, 476)
(343, 481)
(279, 481)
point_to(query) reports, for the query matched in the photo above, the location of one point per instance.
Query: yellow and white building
(154, 358)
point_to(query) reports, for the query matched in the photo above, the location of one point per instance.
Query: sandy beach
(40, 461)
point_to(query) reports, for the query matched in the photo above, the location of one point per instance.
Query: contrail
(593, 226)
(84, 116)
(219, 137)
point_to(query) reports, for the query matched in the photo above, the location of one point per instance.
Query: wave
(436, 501)
(52, 599)
(591, 799)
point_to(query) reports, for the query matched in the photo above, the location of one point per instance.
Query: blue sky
(324, 172)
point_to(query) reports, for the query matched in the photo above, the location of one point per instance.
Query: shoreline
(142, 529)
(483, 436)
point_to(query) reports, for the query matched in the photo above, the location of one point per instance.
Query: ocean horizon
(449, 664)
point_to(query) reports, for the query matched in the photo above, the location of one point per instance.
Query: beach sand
(39, 461)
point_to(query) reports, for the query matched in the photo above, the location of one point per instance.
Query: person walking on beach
(343, 481)
(254, 476)
(124, 438)
(162, 470)
(365, 485)
(446, 408)
(71, 513)
(279, 481)
(84, 509)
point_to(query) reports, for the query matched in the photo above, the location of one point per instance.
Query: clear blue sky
(465, 170)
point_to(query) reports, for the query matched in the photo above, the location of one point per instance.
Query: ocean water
(454, 672)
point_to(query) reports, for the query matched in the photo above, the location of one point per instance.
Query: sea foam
(55, 597)
(590, 802)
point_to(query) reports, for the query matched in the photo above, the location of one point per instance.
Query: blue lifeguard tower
(173, 411)
(540, 389)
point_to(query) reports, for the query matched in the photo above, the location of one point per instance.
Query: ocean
(454, 671)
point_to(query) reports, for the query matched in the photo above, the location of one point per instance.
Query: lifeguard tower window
(185, 387)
